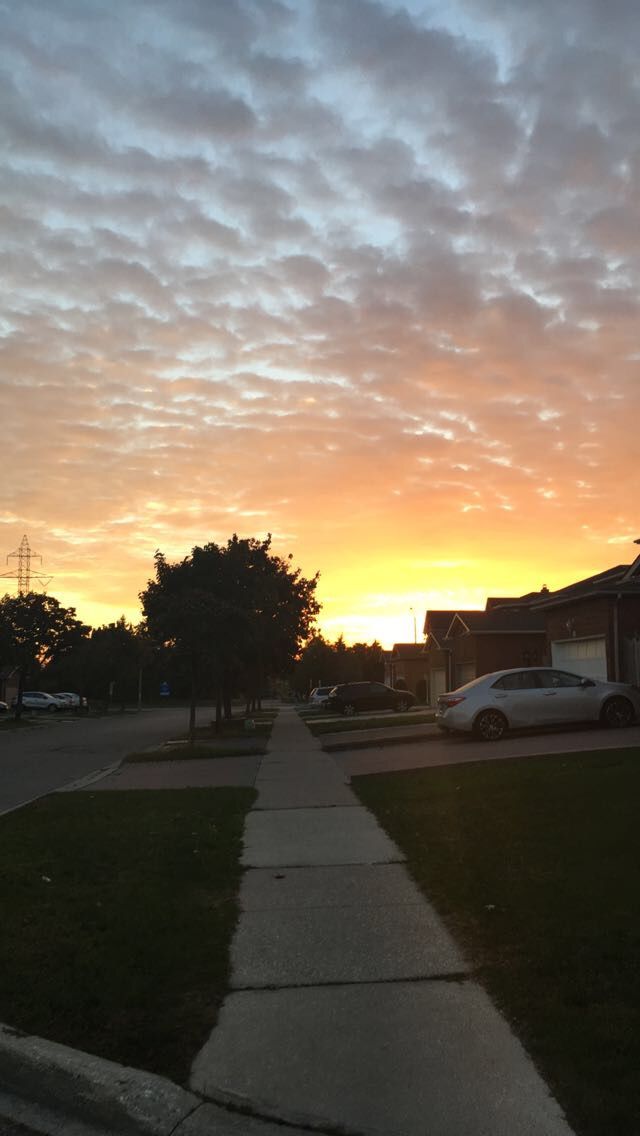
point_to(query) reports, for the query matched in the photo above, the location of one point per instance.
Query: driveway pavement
(438, 750)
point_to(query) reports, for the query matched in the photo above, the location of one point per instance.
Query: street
(57, 751)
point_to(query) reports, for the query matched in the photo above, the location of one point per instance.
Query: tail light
(450, 700)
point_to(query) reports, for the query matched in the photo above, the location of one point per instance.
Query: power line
(23, 573)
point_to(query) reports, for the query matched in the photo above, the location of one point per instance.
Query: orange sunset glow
(360, 274)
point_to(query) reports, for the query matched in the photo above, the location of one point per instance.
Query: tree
(322, 662)
(238, 613)
(36, 630)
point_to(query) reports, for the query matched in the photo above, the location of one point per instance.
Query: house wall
(585, 619)
(436, 660)
(596, 617)
(412, 671)
(496, 652)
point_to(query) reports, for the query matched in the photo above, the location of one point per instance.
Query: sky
(361, 275)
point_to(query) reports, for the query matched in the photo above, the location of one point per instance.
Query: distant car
(4, 709)
(71, 701)
(353, 697)
(38, 700)
(318, 696)
(534, 696)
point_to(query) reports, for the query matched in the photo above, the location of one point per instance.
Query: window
(559, 679)
(519, 680)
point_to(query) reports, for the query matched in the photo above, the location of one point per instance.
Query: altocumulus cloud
(362, 274)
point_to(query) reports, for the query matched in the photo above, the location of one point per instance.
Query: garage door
(586, 657)
(438, 685)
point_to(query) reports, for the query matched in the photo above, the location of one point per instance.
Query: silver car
(38, 700)
(535, 696)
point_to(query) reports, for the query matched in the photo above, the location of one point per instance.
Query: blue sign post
(165, 690)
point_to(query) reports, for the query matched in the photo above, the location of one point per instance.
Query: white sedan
(534, 696)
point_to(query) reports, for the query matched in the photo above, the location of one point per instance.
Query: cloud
(361, 275)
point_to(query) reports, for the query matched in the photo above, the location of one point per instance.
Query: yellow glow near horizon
(357, 601)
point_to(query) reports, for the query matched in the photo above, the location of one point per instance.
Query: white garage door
(438, 685)
(586, 657)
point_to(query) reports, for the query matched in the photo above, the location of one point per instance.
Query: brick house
(406, 664)
(593, 626)
(485, 641)
(437, 653)
(461, 645)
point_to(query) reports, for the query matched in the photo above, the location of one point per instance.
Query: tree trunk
(193, 702)
(18, 710)
(226, 699)
(218, 709)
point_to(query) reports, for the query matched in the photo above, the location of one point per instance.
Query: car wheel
(490, 725)
(349, 709)
(403, 704)
(617, 712)
(51, 709)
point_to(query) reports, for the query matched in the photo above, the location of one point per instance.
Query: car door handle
(550, 693)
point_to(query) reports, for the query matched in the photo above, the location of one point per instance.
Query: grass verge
(118, 911)
(533, 865)
(184, 752)
(258, 725)
(359, 722)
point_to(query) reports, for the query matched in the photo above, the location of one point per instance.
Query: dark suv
(351, 697)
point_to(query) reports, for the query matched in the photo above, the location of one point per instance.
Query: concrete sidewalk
(352, 1009)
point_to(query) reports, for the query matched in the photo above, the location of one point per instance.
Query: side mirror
(587, 682)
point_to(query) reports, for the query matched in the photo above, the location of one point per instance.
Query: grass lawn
(241, 747)
(533, 864)
(235, 727)
(361, 722)
(117, 915)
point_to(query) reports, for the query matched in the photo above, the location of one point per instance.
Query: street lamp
(415, 630)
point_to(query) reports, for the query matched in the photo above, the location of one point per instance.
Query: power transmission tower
(24, 555)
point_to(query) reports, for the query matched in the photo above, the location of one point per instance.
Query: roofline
(459, 617)
(560, 600)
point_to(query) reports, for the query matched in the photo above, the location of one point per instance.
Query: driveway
(440, 750)
(57, 751)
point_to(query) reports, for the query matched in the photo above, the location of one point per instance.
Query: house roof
(408, 650)
(624, 579)
(501, 620)
(436, 624)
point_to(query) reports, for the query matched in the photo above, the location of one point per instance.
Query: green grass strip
(533, 864)
(200, 751)
(117, 914)
(360, 722)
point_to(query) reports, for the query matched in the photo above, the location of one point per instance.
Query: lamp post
(415, 630)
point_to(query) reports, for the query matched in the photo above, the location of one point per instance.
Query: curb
(378, 743)
(91, 1089)
(53, 1089)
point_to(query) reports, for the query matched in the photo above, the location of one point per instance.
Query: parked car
(38, 700)
(318, 696)
(352, 697)
(534, 696)
(71, 701)
(4, 709)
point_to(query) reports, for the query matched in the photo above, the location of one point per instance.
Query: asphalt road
(57, 751)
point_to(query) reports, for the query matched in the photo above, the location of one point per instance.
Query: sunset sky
(361, 275)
